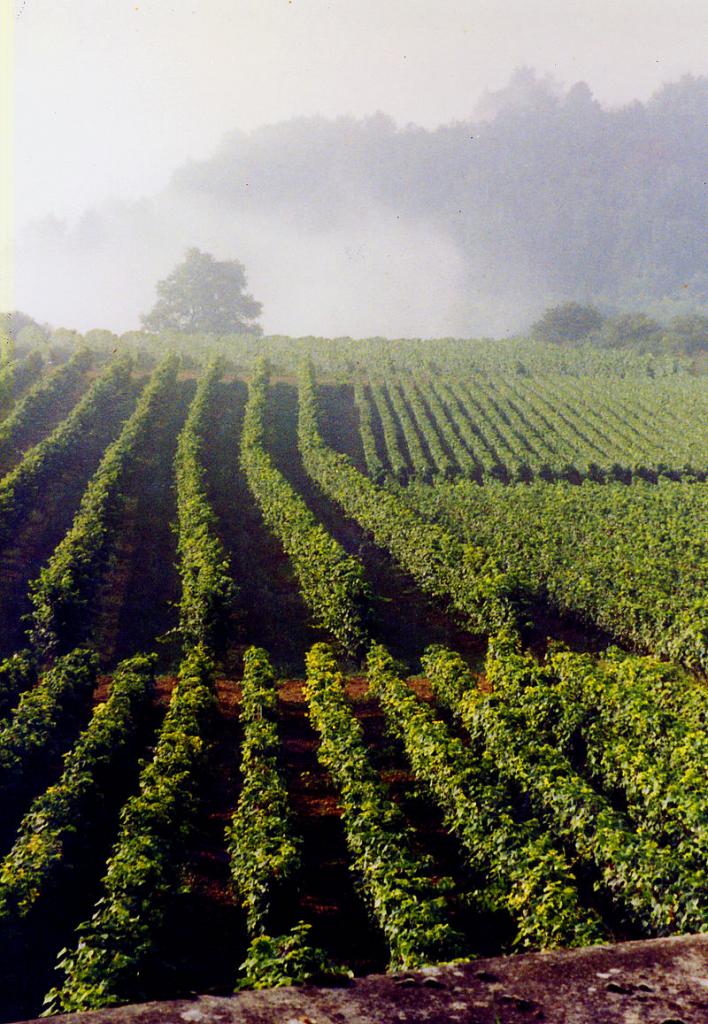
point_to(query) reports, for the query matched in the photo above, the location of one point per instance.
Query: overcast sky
(112, 95)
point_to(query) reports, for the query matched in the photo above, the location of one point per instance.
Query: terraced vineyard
(353, 657)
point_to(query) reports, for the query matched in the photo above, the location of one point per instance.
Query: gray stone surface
(663, 981)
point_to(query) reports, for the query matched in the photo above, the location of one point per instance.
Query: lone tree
(204, 295)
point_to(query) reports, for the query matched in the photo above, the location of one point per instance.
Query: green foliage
(37, 403)
(630, 329)
(64, 812)
(332, 582)
(204, 294)
(567, 324)
(449, 676)
(16, 673)
(12, 323)
(288, 959)
(46, 718)
(414, 393)
(526, 874)
(687, 334)
(207, 587)
(63, 340)
(441, 565)
(445, 359)
(407, 904)
(631, 560)
(20, 488)
(654, 886)
(389, 426)
(572, 324)
(546, 424)
(420, 463)
(435, 420)
(62, 593)
(97, 339)
(15, 376)
(576, 770)
(374, 466)
(32, 336)
(117, 948)
(641, 726)
(264, 852)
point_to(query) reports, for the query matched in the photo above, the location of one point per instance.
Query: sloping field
(319, 671)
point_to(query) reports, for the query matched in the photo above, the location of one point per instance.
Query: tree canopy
(567, 323)
(14, 322)
(571, 324)
(204, 295)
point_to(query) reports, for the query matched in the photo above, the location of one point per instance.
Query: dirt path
(327, 896)
(50, 518)
(403, 619)
(137, 602)
(206, 930)
(28, 954)
(269, 610)
(431, 838)
(339, 422)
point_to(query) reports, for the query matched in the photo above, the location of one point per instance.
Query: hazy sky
(111, 95)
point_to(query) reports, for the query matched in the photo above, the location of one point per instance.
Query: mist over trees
(571, 324)
(362, 227)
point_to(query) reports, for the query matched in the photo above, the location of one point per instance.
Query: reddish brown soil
(327, 897)
(164, 685)
(136, 604)
(421, 687)
(206, 931)
(326, 894)
(102, 690)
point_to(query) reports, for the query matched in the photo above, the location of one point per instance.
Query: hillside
(367, 227)
(361, 663)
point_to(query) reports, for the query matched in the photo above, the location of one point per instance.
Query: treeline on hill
(538, 169)
(574, 324)
(616, 344)
(541, 196)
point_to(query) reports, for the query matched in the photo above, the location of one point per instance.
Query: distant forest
(574, 200)
(543, 196)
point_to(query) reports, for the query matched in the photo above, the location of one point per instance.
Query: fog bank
(361, 227)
